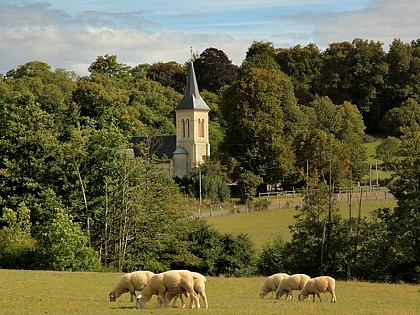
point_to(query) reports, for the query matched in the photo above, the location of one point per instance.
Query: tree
(406, 216)
(16, 242)
(317, 236)
(355, 72)
(303, 65)
(368, 70)
(30, 69)
(334, 80)
(108, 66)
(63, 246)
(252, 110)
(247, 184)
(405, 116)
(213, 70)
(271, 260)
(213, 181)
(387, 151)
(260, 55)
(403, 75)
(327, 157)
(344, 124)
(169, 74)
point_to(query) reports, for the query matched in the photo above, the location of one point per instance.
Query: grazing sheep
(130, 282)
(319, 285)
(199, 288)
(293, 282)
(271, 283)
(174, 282)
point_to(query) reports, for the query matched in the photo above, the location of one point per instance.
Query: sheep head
(141, 301)
(112, 296)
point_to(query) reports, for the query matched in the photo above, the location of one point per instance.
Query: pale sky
(71, 34)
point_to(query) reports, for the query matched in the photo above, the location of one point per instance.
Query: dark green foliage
(387, 151)
(68, 192)
(63, 246)
(213, 69)
(252, 109)
(237, 257)
(303, 65)
(317, 237)
(213, 181)
(108, 66)
(17, 246)
(248, 184)
(271, 260)
(169, 74)
(405, 219)
(221, 254)
(408, 115)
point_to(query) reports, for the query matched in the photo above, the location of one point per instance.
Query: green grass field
(264, 226)
(47, 292)
(371, 151)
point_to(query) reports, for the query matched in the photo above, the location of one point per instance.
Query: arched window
(183, 127)
(188, 128)
(202, 128)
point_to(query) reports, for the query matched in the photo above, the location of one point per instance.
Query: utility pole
(199, 189)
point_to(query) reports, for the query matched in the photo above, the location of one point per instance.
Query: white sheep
(271, 283)
(293, 282)
(319, 285)
(199, 288)
(174, 282)
(130, 282)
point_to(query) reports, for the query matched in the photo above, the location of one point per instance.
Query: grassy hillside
(46, 292)
(267, 225)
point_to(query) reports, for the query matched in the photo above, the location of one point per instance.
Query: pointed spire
(192, 98)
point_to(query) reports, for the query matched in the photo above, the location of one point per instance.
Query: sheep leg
(161, 300)
(175, 298)
(204, 297)
(319, 296)
(194, 300)
(182, 300)
(333, 297)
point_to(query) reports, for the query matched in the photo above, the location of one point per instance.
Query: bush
(261, 204)
(271, 259)
(63, 246)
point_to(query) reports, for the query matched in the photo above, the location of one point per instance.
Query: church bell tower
(192, 132)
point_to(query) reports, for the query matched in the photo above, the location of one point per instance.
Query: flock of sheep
(168, 285)
(174, 284)
(282, 283)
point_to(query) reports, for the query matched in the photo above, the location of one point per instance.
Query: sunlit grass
(264, 226)
(45, 292)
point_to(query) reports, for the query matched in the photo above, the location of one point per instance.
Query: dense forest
(72, 199)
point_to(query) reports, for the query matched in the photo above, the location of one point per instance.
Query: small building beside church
(186, 149)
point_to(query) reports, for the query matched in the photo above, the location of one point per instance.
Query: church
(186, 149)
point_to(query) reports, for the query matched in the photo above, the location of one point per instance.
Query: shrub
(271, 261)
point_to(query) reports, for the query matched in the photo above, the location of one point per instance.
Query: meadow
(267, 225)
(49, 292)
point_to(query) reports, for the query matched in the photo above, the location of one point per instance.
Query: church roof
(160, 146)
(192, 98)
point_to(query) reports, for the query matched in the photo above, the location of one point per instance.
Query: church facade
(186, 149)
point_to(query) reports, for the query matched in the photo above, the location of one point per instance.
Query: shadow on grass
(123, 307)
